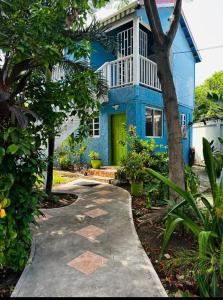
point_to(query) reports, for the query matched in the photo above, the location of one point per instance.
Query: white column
(108, 75)
(136, 61)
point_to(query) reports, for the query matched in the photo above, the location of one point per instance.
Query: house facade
(134, 95)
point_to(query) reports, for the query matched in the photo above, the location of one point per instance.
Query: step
(99, 178)
(107, 173)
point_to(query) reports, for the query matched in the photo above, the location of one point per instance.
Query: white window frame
(183, 118)
(93, 127)
(151, 136)
(125, 42)
(143, 43)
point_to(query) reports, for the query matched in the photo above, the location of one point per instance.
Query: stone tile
(90, 232)
(102, 201)
(94, 213)
(103, 193)
(88, 262)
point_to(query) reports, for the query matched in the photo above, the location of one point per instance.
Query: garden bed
(59, 200)
(177, 280)
(8, 280)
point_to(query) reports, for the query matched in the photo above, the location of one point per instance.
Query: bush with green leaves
(143, 154)
(65, 162)
(206, 225)
(94, 155)
(192, 181)
(20, 169)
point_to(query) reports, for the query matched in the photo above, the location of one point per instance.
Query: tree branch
(174, 23)
(154, 20)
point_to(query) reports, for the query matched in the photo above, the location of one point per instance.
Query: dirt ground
(178, 281)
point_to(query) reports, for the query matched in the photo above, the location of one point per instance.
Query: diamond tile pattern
(88, 262)
(102, 201)
(94, 213)
(90, 232)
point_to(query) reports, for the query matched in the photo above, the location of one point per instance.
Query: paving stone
(94, 213)
(102, 201)
(90, 231)
(88, 262)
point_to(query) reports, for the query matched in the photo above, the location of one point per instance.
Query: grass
(59, 178)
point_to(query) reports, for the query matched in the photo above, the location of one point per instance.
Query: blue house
(135, 96)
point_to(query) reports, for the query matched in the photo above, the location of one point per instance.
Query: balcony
(120, 72)
(132, 66)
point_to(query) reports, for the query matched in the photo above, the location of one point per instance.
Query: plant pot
(136, 188)
(96, 163)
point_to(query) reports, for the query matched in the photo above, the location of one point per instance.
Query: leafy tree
(54, 102)
(162, 44)
(33, 36)
(209, 99)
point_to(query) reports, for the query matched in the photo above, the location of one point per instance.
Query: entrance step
(104, 172)
(100, 178)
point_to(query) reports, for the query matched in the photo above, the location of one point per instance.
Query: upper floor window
(154, 122)
(94, 127)
(143, 43)
(125, 42)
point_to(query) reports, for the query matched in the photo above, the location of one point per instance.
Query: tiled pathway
(89, 248)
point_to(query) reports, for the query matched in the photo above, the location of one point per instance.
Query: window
(125, 42)
(94, 127)
(143, 43)
(183, 124)
(183, 119)
(154, 122)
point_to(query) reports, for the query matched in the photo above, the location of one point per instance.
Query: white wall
(211, 131)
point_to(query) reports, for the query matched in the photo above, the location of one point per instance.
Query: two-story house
(135, 95)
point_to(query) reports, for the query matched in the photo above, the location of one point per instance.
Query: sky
(205, 18)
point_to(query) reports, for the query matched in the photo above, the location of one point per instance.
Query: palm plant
(206, 225)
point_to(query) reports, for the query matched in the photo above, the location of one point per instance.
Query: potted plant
(135, 171)
(95, 160)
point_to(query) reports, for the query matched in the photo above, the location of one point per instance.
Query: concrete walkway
(89, 248)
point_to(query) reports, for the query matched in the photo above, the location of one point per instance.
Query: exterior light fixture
(116, 106)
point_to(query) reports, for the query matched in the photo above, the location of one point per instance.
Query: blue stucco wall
(99, 55)
(133, 101)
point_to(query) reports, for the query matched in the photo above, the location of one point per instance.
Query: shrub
(94, 155)
(192, 181)
(134, 167)
(65, 163)
(143, 154)
(206, 225)
(20, 166)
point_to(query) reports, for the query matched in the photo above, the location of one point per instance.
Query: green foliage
(94, 155)
(34, 35)
(143, 154)
(192, 181)
(209, 98)
(20, 170)
(134, 166)
(69, 153)
(65, 163)
(206, 225)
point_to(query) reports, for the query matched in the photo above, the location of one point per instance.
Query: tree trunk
(175, 145)
(49, 180)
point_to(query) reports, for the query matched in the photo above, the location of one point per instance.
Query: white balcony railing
(119, 72)
(148, 73)
(58, 73)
